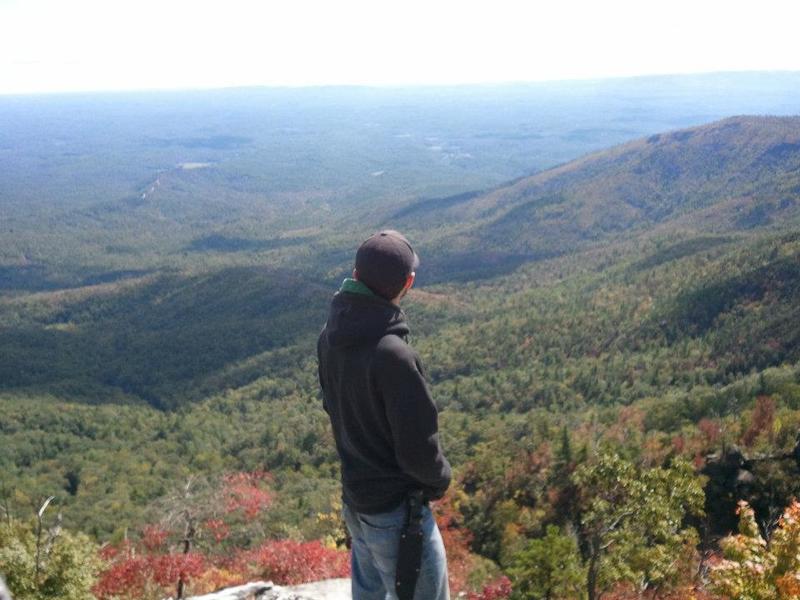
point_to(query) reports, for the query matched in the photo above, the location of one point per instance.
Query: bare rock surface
(4, 593)
(329, 589)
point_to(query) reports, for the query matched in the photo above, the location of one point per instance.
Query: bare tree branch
(39, 527)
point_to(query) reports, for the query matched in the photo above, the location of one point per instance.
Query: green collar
(354, 286)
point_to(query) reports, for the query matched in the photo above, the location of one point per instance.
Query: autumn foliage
(501, 588)
(292, 562)
(761, 421)
(141, 573)
(755, 568)
(462, 564)
(244, 493)
(152, 566)
(456, 540)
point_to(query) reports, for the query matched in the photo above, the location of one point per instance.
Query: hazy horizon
(410, 86)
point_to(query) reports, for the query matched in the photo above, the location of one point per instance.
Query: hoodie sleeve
(412, 415)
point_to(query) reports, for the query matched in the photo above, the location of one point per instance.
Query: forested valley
(612, 336)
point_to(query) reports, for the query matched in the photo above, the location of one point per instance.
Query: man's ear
(410, 280)
(355, 274)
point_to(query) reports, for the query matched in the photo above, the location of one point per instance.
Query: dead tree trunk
(187, 546)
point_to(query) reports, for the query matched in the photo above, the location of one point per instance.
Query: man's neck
(354, 286)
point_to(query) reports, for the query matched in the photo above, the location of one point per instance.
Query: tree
(41, 562)
(756, 569)
(761, 421)
(549, 568)
(631, 522)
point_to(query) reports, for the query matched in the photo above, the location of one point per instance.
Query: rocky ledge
(4, 593)
(330, 589)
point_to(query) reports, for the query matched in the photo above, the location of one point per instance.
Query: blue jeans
(375, 541)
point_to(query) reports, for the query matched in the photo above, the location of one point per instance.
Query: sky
(85, 45)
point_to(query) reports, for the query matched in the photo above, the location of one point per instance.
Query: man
(385, 425)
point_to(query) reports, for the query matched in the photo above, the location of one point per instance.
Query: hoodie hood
(356, 318)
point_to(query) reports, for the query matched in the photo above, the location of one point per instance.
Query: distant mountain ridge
(734, 174)
(297, 163)
(666, 197)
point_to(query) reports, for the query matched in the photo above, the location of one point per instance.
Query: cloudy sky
(71, 45)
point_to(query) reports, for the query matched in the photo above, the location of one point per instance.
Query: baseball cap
(384, 261)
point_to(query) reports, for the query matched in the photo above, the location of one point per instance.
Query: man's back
(383, 418)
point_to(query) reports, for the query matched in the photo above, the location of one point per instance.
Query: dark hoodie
(384, 421)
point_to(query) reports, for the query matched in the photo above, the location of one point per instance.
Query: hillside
(733, 175)
(156, 338)
(166, 337)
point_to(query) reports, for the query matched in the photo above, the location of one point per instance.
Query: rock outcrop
(4, 594)
(330, 589)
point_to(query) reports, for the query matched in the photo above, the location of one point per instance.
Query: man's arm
(412, 415)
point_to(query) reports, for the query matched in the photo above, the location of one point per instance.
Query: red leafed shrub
(289, 562)
(456, 540)
(493, 591)
(169, 568)
(138, 576)
(245, 492)
(217, 578)
(126, 577)
(698, 461)
(133, 575)
(154, 538)
(224, 510)
(218, 529)
(711, 430)
(762, 420)
(111, 552)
